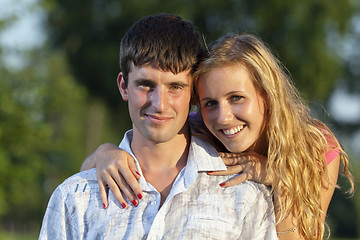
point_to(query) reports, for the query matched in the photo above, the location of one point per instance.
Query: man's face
(158, 101)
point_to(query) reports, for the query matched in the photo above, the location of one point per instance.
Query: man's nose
(159, 99)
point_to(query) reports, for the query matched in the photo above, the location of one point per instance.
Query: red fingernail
(210, 171)
(139, 196)
(123, 205)
(134, 202)
(222, 184)
(138, 173)
(104, 205)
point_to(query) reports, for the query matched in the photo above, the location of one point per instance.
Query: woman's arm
(327, 191)
(116, 169)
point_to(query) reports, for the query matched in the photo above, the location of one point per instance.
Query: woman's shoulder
(333, 149)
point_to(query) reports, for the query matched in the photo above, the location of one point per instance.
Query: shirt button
(153, 203)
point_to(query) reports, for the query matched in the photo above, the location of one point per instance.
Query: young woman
(249, 104)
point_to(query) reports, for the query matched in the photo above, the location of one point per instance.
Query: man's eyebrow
(147, 81)
(144, 81)
(180, 83)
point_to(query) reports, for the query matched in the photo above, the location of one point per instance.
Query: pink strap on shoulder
(333, 152)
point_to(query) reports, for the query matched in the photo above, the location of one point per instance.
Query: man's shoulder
(255, 188)
(250, 191)
(79, 182)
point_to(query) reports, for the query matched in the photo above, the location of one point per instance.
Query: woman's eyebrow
(205, 99)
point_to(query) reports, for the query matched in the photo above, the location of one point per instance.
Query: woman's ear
(122, 86)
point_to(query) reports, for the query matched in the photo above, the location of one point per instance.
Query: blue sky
(26, 31)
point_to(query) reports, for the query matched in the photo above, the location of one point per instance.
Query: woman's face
(232, 109)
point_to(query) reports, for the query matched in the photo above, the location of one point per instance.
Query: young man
(180, 200)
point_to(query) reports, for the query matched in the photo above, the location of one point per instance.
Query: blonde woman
(251, 110)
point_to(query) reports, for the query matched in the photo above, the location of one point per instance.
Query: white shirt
(196, 208)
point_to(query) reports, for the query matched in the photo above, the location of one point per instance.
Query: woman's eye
(210, 104)
(236, 98)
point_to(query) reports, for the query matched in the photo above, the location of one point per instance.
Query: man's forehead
(152, 71)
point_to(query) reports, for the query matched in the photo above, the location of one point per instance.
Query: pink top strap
(333, 152)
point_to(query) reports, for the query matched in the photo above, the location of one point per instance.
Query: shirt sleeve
(55, 220)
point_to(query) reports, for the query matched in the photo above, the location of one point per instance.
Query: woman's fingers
(122, 178)
(127, 177)
(251, 165)
(234, 159)
(134, 184)
(133, 168)
(229, 171)
(235, 180)
(126, 189)
(114, 188)
(117, 170)
(113, 179)
(103, 193)
(229, 155)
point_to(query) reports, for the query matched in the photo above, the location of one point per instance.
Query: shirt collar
(205, 156)
(125, 144)
(202, 157)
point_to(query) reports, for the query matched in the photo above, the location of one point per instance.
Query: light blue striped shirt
(196, 208)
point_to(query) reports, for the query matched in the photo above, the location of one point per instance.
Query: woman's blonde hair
(296, 141)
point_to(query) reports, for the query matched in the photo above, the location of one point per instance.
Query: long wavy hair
(296, 140)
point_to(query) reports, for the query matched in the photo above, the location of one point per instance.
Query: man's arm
(54, 222)
(259, 221)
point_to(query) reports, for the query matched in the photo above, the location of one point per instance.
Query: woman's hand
(250, 165)
(116, 169)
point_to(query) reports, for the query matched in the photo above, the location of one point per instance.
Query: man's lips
(157, 119)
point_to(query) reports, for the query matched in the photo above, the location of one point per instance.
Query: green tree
(297, 30)
(305, 35)
(38, 114)
(64, 101)
(23, 141)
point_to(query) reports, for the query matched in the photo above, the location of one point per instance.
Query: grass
(18, 236)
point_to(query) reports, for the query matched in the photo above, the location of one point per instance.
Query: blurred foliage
(28, 137)
(343, 215)
(90, 34)
(63, 102)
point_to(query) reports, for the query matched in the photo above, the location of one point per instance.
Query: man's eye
(146, 86)
(176, 87)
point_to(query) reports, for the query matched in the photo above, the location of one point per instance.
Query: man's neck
(161, 162)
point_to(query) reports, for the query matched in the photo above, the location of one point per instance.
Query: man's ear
(122, 86)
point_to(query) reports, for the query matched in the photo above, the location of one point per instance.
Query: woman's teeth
(234, 130)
